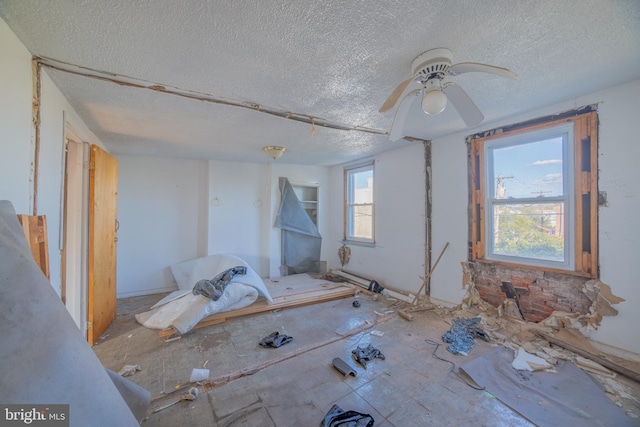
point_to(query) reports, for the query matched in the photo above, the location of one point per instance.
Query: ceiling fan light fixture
(434, 101)
(273, 151)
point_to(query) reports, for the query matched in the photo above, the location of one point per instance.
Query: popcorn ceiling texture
(333, 59)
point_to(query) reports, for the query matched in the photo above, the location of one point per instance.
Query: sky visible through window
(529, 170)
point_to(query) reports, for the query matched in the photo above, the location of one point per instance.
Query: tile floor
(409, 388)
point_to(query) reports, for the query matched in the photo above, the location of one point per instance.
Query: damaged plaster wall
(16, 142)
(397, 260)
(619, 230)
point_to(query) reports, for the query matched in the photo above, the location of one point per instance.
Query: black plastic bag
(338, 417)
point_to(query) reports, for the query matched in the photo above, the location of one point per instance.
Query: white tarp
(182, 310)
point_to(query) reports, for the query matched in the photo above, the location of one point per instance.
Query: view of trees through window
(530, 231)
(528, 198)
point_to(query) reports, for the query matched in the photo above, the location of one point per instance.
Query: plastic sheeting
(182, 310)
(301, 241)
(45, 358)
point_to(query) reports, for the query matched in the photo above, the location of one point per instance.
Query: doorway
(75, 229)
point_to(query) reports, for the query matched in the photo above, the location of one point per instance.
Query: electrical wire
(453, 365)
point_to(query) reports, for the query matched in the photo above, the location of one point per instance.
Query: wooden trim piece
(261, 306)
(589, 355)
(35, 230)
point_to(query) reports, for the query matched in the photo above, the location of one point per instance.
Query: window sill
(536, 268)
(358, 243)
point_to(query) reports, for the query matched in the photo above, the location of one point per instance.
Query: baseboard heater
(364, 282)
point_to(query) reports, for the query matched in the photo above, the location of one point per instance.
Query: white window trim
(566, 131)
(348, 219)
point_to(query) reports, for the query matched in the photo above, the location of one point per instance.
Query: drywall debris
(528, 362)
(591, 366)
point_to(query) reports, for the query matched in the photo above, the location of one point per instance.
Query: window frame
(349, 172)
(580, 223)
(565, 132)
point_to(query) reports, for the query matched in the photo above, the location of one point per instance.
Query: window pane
(529, 231)
(359, 206)
(363, 221)
(527, 170)
(363, 186)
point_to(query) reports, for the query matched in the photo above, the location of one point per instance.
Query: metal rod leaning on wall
(424, 282)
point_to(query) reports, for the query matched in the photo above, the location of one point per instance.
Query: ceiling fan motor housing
(434, 63)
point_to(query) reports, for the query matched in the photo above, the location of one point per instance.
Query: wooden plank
(35, 230)
(261, 306)
(592, 356)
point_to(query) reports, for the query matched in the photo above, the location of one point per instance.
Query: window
(359, 212)
(534, 195)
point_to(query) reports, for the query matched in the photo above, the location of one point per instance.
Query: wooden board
(103, 190)
(604, 360)
(35, 230)
(296, 298)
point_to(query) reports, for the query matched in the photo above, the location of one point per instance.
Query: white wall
(619, 228)
(239, 212)
(399, 202)
(173, 210)
(15, 122)
(162, 216)
(17, 147)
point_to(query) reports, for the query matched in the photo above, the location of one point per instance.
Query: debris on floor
(524, 361)
(366, 354)
(128, 370)
(461, 335)
(338, 417)
(343, 367)
(190, 395)
(275, 340)
(199, 375)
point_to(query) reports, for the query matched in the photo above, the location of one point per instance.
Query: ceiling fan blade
(395, 95)
(399, 120)
(465, 106)
(469, 67)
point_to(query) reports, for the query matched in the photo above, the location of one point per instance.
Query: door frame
(75, 234)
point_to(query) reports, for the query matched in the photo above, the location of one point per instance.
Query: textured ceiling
(334, 60)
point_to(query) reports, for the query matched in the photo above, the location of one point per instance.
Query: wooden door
(103, 190)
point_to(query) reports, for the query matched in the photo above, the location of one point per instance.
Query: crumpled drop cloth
(187, 309)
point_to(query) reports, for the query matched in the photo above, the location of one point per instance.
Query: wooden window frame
(585, 215)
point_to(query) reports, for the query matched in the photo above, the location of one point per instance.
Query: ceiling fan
(429, 71)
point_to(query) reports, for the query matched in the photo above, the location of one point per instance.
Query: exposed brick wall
(540, 292)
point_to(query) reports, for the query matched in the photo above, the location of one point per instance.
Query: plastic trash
(275, 340)
(199, 375)
(365, 354)
(338, 417)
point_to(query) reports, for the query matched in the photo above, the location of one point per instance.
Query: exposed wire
(453, 365)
